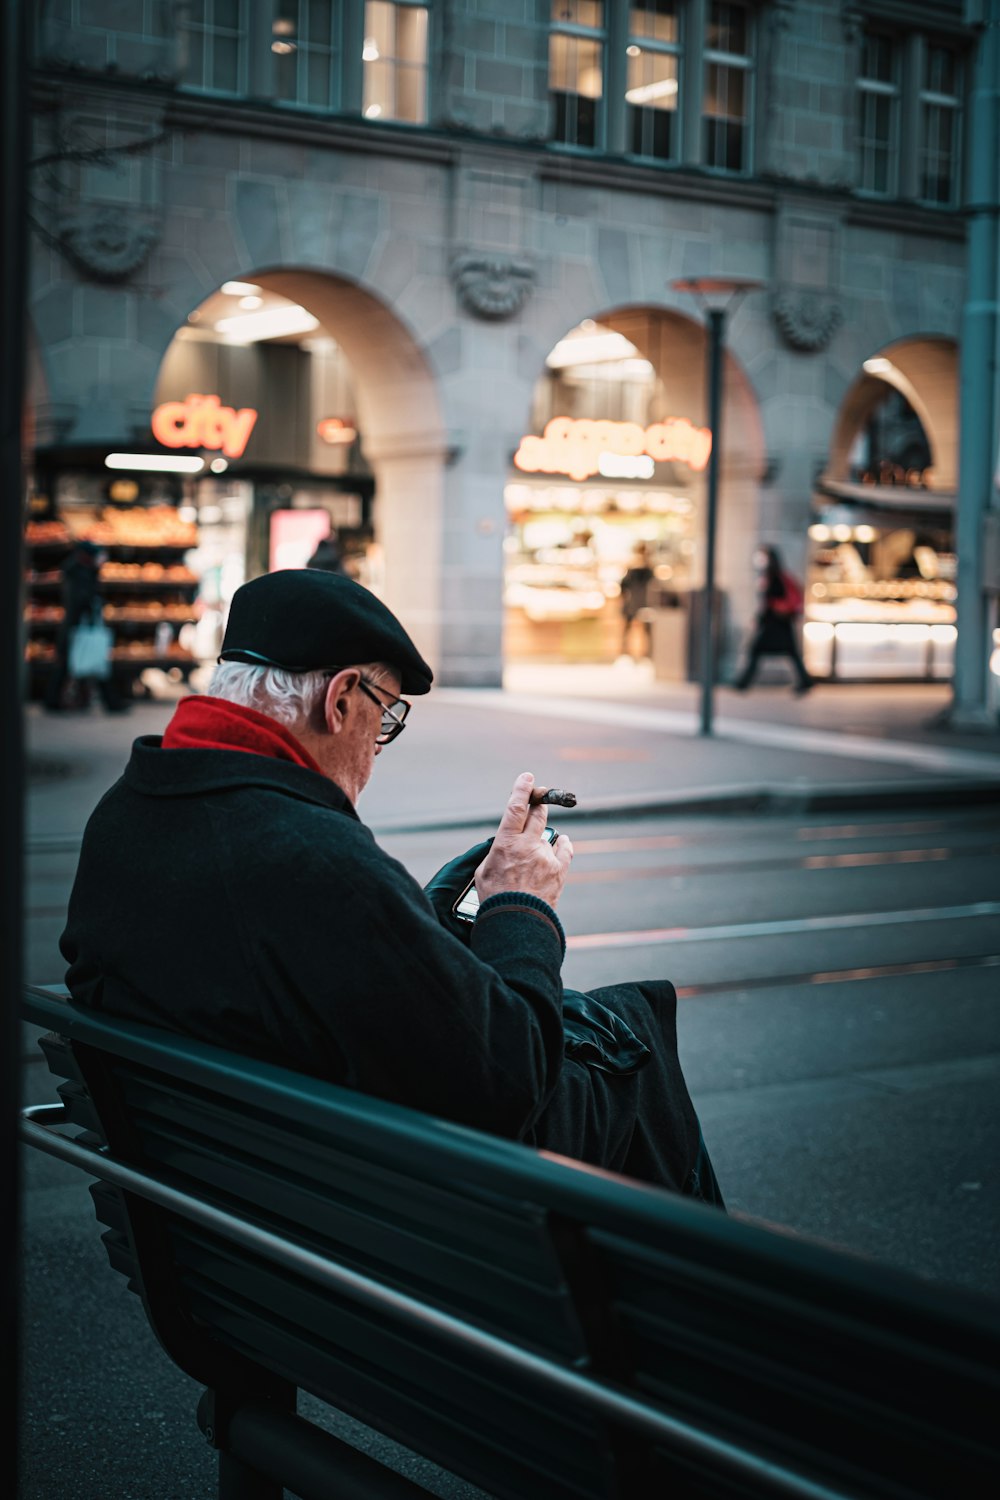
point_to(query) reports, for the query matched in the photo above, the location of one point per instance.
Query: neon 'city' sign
(203, 422)
(575, 446)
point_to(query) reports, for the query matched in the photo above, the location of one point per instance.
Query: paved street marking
(827, 1098)
(730, 931)
(858, 859)
(836, 976)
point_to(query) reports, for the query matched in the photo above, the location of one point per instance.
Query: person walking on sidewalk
(228, 890)
(327, 554)
(779, 609)
(83, 604)
(635, 586)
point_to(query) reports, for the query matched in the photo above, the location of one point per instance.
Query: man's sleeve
(470, 1033)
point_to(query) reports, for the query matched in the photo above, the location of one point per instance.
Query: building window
(215, 34)
(652, 93)
(909, 117)
(394, 59)
(728, 79)
(576, 71)
(304, 49)
(659, 80)
(878, 114)
(939, 105)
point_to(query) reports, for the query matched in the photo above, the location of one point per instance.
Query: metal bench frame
(947, 1342)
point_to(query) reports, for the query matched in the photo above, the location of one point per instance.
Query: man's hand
(519, 858)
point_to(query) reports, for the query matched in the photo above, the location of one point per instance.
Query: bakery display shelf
(153, 659)
(149, 622)
(140, 663)
(134, 551)
(118, 586)
(148, 585)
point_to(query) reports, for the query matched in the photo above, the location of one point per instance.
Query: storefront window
(304, 49)
(608, 479)
(880, 594)
(576, 71)
(726, 106)
(939, 103)
(395, 62)
(215, 32)
(880, 589)
(878, 114)
(652, 95)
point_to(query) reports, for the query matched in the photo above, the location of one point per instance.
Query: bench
(544, 1330)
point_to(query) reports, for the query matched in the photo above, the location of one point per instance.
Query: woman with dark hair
(83, 604)
(774, 635)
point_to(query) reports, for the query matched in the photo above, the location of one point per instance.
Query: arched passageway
(923, 372)
(611, 475)
(881, 579)
(347, 437)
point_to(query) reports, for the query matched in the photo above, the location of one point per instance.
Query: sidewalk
(618, 740)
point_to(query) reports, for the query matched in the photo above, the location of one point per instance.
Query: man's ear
(337, 701)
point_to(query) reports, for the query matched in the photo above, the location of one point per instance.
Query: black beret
(305, 619)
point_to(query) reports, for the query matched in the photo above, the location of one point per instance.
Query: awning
(887, 502)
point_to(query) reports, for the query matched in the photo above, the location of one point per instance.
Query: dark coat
(81, 589)
(240, 900)
(775, 632)
(635, 590)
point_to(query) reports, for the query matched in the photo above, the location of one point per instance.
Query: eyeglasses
(392, 721)
(393, 717)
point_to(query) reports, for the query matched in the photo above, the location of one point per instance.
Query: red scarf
(203, 723)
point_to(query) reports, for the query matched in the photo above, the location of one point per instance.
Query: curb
(764, 800)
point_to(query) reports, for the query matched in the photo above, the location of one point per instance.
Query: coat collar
(155, 772)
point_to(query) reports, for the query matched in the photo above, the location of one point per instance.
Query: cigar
(552, 797)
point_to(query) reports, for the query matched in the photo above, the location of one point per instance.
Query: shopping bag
(90, 649)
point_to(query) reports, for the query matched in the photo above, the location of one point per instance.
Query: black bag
(595, 1034)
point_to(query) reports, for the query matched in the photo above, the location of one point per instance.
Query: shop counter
(850, 649)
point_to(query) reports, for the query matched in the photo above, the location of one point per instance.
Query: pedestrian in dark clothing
(635, 586)
(305, 944)
(780, 605)
(82, 604)
(327, 555)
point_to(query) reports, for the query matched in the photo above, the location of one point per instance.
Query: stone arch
(924, 369)
(400, 416)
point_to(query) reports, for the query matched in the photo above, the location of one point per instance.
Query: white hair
(289, 697)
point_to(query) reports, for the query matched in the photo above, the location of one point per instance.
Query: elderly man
(227, 889)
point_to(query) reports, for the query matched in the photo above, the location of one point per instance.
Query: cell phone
(467, 905)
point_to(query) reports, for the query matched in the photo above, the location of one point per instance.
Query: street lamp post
(978, 390)
(718, 297)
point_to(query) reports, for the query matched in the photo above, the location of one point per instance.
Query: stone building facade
(505, 176)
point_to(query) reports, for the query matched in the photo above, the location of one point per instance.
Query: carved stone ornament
(778, 16)
(853, 20)
(492, 286)
(108, 243)
(808, 320)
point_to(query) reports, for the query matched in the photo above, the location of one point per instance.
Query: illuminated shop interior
(253, 456)
(607, 468)
(881, 584)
